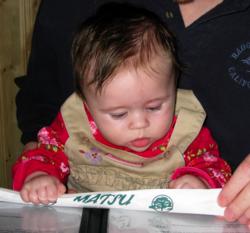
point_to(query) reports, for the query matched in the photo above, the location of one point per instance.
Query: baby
(127, 126)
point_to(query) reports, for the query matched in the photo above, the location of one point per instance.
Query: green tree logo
(162, 203)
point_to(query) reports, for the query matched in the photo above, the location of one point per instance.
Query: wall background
(16, 25)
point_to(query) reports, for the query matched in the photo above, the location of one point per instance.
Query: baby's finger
(33, 197)
(52, 193)
(24, 195)
(171, 184)
(61, 188)
(43, 195)
(71, 191)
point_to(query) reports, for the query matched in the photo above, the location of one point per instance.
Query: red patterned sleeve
(49, 157)
(202, 159)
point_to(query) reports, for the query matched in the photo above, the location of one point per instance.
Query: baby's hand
(41, 188)
(187, 182)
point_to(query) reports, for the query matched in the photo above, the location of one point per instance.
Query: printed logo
(239, 71)
(162, 203)
(105, 199)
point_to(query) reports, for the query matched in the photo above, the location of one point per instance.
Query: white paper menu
(188, 201)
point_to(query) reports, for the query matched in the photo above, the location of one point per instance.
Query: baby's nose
(139, 121)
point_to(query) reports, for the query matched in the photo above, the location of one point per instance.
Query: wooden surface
(16, 26)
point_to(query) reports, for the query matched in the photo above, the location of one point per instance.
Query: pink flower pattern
(46, 136)
(64, 168)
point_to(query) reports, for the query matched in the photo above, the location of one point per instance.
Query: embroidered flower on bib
(94, 155)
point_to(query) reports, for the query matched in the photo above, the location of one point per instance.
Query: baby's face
(136, 107)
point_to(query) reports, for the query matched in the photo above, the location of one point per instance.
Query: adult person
(214, 45)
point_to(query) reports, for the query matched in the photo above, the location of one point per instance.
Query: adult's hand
(235, 195)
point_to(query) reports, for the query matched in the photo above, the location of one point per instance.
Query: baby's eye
(154, 108)
(118, 115)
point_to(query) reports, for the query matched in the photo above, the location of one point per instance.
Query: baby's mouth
(140, 142)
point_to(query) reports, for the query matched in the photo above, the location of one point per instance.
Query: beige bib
(97, 167)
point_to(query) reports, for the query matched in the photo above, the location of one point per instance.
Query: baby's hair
(118, 34)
